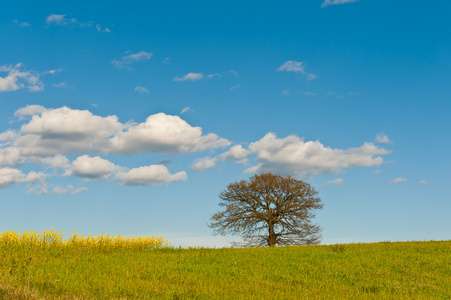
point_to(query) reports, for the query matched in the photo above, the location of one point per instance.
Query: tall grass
(403, 270)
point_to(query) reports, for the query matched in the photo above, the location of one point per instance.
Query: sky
(131, 117)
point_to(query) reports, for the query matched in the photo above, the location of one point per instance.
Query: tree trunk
(272, 235)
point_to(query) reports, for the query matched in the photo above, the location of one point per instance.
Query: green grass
(407, 270)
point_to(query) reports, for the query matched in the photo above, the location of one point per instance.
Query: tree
(269, 210)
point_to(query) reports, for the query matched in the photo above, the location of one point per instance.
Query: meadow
(47, 266)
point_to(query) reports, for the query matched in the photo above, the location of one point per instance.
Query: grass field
(401, 270)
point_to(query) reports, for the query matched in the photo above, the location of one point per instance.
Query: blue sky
(131, 117)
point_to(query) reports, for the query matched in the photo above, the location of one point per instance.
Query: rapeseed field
(45, 265)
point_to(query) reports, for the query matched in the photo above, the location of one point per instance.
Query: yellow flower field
(52, 238)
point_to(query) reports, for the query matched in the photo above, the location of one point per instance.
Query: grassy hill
(401, 270)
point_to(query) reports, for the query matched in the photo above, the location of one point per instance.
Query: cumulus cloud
(131, 58)
(91, 168)
(10, 156)
(149, 175)
(190, 77)
(382, 138)
(29, 110)
(236, 153)
(18, 78)
(164, 133)
(56, 162)
(337, 181)
(335, 2)
(423, 182)
(10, 176)
(49, 135)
(8, 136)
(291, 155)
(398, 180)
(296, 67)
(204, 163)
(67, 190)
(68, 131)
(141, 90)
(65, 131)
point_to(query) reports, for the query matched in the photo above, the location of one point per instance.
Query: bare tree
(269, 210)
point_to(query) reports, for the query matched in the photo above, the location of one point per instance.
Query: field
(57, 270)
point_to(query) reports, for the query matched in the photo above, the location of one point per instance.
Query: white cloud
(65, 131)
(100, 29)
(204, 163)
(131, 58)
(232, 72)
(29, 110)
(382, 138)
(10, 156)
(398, 180)
(186, 109)
(296, 67)
(23, 24)
(58, 161)
(141, 90)
(309, 94)
(10, 176)
(335, 2)
(423, 182)
(237, 153)
(214, 75)
(62, 20)
(164, 133)
(92, 168)
(57, 19)
(70, 131)
(67, 190)
(377, 172)
(190, 77)
(58, 85)
(337, 181)
(8, 136)
(286, 93)
(50, 134)
(149, 175)
(17, 78)
(235, 86)
(292, 155)
(52, 71)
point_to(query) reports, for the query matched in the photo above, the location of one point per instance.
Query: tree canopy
(269, 210)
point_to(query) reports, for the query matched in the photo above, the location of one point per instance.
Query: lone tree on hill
(269, 210)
